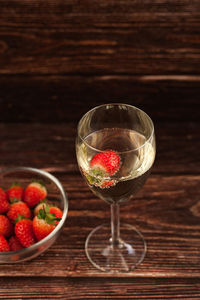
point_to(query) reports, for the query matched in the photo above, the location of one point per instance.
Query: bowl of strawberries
(33, 210)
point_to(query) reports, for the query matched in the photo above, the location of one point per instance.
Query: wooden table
(59, 59)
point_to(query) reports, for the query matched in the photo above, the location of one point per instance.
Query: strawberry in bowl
(22, 205)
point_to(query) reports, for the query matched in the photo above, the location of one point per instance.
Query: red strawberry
(34, 193)
(24, 232)
(6, 227)
(18, 209)
(106, 162)
(4, 204)
(15, 192)
(4, 247)
(44, 223)
(14, 243)
(107, 183)
(57, 212)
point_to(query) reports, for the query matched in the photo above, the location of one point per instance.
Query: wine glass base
(123, 257)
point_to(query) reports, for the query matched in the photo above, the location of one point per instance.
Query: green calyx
(98, 173)
(15, 184)
(40, 181)
(14, 200)
(50, 218)
(95, 177)
(19, 218)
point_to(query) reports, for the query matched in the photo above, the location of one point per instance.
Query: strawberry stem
(47, 216)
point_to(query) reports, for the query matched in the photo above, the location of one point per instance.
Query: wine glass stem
(115, 225)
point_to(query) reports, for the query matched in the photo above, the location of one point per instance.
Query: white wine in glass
(115, 149)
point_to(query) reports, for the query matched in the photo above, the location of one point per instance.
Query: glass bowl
(55, 195)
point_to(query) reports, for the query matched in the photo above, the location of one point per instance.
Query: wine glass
(115, 149)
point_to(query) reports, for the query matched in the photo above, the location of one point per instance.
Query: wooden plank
(52, 147)
(99, 288)
(166, 211)
(66, 98)
(123, 37)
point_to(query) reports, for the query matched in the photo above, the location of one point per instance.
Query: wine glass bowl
(56, 195)
(115, 149)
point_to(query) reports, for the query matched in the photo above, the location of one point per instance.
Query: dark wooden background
(57, 60)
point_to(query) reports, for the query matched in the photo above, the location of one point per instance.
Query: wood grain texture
(121, 37)
(99, 288)
(54, 99)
